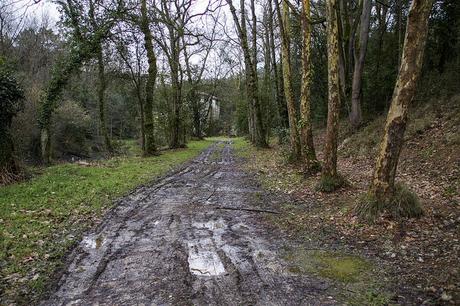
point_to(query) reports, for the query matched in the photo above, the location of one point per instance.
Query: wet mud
(194, 237)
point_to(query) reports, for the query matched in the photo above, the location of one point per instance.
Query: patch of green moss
(345, 268)
(356, 279)
(333, 265)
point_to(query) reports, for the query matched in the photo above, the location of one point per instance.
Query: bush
(331, 183)
(403, 203)
(72, 131)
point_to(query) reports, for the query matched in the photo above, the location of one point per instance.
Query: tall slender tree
(283, 17)
(277, 77)
(102, 83)
(357, 81)
(306, 131)
(330, 179)
(382, 188)
(250, 73)
(144, 22)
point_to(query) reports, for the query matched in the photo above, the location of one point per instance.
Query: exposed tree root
(7, 176)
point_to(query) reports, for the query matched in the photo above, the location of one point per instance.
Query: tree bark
(283, 16)
(333, 106)
(277, 79)
(306, 131)
(150, 146)
(101, 98)
(142, 115)
(356, 87)
(101, 84)
(251, 75)
(382, 186)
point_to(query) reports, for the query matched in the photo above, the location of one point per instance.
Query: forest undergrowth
(422, 254)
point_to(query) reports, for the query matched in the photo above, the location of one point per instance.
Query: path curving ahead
(193, 238)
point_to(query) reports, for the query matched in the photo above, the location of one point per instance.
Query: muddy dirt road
(192, 238)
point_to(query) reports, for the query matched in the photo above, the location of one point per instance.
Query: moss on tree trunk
(283, 15)
(150, 145)
(306, 132)
(329, 170)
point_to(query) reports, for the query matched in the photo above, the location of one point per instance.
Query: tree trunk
(282, 109)
(142, 114)
(356, 88)
(333, 106)
(9, 170)
(101, 93)
(150, 146)
(287, 78)
(306, 131)
(101, 84)
(251, 75)
(382, 186)
(176, 139)
(268, 92)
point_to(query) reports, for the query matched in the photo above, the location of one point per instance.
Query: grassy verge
(41, 219)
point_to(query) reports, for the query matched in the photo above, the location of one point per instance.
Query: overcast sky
(37, 11)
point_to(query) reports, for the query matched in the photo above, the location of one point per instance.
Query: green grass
(332, 265)
(42, 218)
(242, 147)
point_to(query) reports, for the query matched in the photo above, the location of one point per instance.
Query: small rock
(445, 297)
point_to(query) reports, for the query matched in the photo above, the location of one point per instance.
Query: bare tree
(283, 16)
(277, 77)
(102, 84)
(356, 87)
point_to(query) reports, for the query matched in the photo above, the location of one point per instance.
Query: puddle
(211, 225)
(93, 242)
(204, 262)
(333, 265)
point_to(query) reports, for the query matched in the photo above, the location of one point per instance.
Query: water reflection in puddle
(204, 262)
(203, 259)
(92, 242)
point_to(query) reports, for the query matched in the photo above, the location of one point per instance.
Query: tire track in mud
(171, 243)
